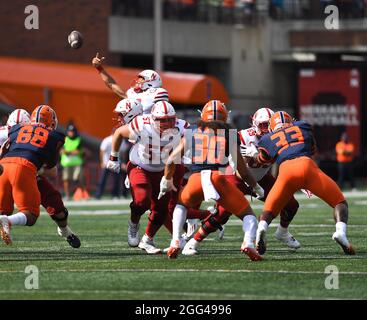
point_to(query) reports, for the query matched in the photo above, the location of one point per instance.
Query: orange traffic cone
(78, 194)
(85, 194)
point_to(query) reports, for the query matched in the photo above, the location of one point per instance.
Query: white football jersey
(4, 131)
(151, 149)
(148, 97)
(248, 137)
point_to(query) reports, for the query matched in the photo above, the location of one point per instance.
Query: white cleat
(287, 239)
(192, 225)
(261, 241)
(133, 238)
(148, 245)
(342, 240)
(190, 248)
(5, 228)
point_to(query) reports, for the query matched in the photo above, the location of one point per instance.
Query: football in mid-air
(75, 39)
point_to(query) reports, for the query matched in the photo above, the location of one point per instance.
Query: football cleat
(342, 240)
(261, 241)
(190, 248)
(251, 253)
(174, 249)
(148, 245)
(70, 237)
(133, 238)
(287, 239)
(192, 225)
(182, 245)
(5, 228)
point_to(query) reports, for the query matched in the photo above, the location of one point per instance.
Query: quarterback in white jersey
(146, 88)
(154, 136)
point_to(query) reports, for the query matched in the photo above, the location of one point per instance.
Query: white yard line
(187, 271)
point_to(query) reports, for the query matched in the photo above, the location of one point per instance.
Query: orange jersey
(344, 151)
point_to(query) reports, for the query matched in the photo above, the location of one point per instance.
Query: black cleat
(73, 241)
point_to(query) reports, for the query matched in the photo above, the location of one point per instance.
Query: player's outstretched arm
(247, 176)
(113, 163)
(106, 77)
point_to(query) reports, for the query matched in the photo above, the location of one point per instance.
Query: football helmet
(127, 109)
(18, 116)
(214, 110)
(147, 79)
(260, 121)
(45, 115)
(163, 116)
(279, 120)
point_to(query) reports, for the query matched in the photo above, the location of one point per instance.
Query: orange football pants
(18, 184)
(231, 198)
(301, 173)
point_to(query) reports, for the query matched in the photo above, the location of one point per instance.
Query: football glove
(166, 185)
(249, 151)
(259, 191)
(113, 164)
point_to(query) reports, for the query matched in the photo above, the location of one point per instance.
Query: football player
(249, 139)
(209, 147)
(146, 88)
(292, 144)
(51, 199)
(153, 137)
(31, 146)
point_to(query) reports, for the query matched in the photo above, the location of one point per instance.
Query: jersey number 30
(36, 136)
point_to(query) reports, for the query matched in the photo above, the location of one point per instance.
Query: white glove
(113, 166)
(259, 191)
(249, 151)
(166, 186)
(127, 182)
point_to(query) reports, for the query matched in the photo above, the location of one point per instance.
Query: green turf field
(106, 268)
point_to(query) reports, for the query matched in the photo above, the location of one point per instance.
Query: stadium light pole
(158, 58)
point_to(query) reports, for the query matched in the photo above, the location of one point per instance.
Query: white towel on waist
(208, 189)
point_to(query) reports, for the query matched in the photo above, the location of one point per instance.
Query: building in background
(263, 52)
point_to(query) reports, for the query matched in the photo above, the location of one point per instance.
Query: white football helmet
(18, 116)
(164, 116)
(260, 121)
(147, 79)
(127, 110)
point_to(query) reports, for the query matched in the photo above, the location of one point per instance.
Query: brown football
(75, 39)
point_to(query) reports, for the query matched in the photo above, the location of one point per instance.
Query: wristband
(112, 158)
(100, 69)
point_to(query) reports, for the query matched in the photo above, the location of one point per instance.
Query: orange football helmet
(279, 120)
(45, 115)
(214, 110)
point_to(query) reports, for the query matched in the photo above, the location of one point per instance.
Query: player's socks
(200, 235)
(18, 219)
(178, 221)
(341, 227)
(64, 231)
(249, 227)
(261, 237)
(282, 230)
(263, 225)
